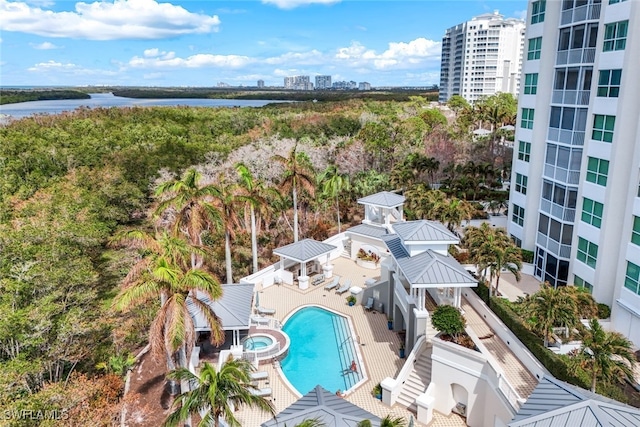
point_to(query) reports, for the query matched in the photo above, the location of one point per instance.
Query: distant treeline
(13, 96)
(279, 95)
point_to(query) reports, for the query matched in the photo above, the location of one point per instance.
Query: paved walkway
(512, 289)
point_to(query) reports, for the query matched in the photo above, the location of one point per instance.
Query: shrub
(448, 320)
(527, 256)
(604, 311)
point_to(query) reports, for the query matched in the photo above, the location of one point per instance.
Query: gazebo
(303, 252)
(233, 309)
(324, 406)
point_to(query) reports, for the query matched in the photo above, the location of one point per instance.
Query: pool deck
(378, 347)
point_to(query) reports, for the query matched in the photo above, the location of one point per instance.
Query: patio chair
(260, 320)
(259, 375)
(369, 304)
(344, 288)
(263, 392)
(333, 284)
(263, 310)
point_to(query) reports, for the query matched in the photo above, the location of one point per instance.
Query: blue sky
(201, 43)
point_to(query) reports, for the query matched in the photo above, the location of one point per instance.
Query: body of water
(25, 109)
(321, 351)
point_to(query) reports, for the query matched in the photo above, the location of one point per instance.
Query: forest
(71, 183)
(9, 96)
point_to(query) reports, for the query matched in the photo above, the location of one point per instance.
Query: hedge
(557, 365)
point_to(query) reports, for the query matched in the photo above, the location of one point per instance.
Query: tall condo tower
(575, 194)
(481, 57)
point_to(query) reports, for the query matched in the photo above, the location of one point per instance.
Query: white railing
(575, 97)
(392, 387)
(401, 296)
(265, 322)
(509, 392)
(565, 214)
(566, 136)
(262, 354)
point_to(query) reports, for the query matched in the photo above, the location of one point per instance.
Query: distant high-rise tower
(298, 83)
(323, 82)
(481, 57)
(260, 83)
(575, 194)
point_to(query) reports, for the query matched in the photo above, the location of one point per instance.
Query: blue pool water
(257, 342)
(321, 351)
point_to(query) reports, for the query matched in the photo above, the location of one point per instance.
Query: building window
(632, 277)
(587, 252)
(537, 11)
(518, 215)
(524, 151)
(597, 171)
(526, 120)
(609, 83)
(535, 46)
(531, 84)
(603, 127)
(615, 36)
(581, 283)
(521, 183)
(635, 233)
(516, 240)
(592, 212)
(616, 1)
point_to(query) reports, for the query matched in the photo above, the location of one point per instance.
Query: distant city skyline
(196, 43)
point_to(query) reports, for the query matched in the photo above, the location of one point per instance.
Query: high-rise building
(298, 83)
(323, 82)
(364, 86)
(260, 83)
(575, 194)
(481, 57)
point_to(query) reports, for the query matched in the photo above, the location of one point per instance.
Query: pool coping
(354, 339)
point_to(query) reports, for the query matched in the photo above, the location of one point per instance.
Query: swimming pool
(321, 351)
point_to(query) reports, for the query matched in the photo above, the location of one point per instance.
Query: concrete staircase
(417, 382)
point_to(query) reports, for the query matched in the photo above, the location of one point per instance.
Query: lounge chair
(344, 288)
(333, 284)
(260, 375)
(258, 320)
(369, 304)
(263, 392)
(263, 310)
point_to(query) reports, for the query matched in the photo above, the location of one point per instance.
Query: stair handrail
(392, 387)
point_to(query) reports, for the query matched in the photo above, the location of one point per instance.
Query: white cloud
(399, 55)
(169, 60)
(292, 4)
(102, 20)
(520, 14)
(68, 68)
(152, 76)
(44, 46)
(312, 57)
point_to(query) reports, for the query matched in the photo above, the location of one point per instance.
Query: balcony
(556, 248)
(567, 176)
(571, 97)
(558, 211)
(576, 56)
(582, 13)
(566, 136)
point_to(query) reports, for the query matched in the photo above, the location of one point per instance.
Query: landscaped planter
(367, 264)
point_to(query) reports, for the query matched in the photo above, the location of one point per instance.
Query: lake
(24, 109)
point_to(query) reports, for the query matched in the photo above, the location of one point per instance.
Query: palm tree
(226, 198)
(333, 183)
(550, 307)
(253, 190)
(164, 272)
(390, 421)
(453, 212)
(194, 212)
(491, 248)
(217, 394)
(606, 355)
(298, 175)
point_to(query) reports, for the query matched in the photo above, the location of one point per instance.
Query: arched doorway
(460, 398)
